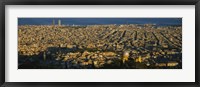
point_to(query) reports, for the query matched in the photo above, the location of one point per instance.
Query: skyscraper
(59, 23)
(53, 22)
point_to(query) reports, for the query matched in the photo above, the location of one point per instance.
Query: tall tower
(53, 22)
(59, 22)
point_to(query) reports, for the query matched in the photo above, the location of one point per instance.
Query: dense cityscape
(125, 46)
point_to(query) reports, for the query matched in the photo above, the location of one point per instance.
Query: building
(59, 23)
(172, 63)
(161, 64)
(125, 56)
(139, 59)
(53, 22)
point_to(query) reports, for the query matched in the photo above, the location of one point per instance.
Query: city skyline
(105, 46)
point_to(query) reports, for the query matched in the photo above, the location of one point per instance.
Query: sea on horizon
(101, 21)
